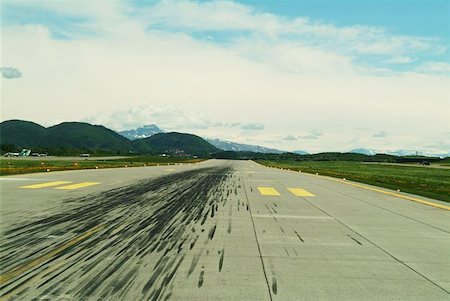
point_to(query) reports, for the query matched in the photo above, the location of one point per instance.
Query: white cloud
(400, 59)
(255, 126)
(289, 138)
(435, 68)
(168, 118)
(231, 16)
(10, 72)
(380, 134)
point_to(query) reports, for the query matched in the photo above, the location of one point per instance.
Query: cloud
(290, 138)
(168, 118)
(171, 118)
(252, 126)
(230, 125)
(129, 67)
(399, 59)
(227, 16)
(234, 23)
(381, 134)
(308, 137)
(10, 72)
(439, 68)
(314, 134)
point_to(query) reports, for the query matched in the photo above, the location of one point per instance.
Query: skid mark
(222, 254)
(156, 221)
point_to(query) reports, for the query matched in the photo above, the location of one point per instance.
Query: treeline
(62, 151)
(328, 156)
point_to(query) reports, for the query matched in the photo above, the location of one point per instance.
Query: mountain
(364, 151)
(141, 132)
(73, 137)
(174, 143)
(87, 136)
(239, 147)
(300, 152)
(400, 152)
(21, 133)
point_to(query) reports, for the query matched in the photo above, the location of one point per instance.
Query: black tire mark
(359, 243)
(274, 285)
(299, 237)
(153, 216)
(222, 254)
(200, 279)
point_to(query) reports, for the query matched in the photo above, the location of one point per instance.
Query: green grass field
(17, 166)
(429, 182)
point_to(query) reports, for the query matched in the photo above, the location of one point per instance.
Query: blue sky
(411, 17)
(406, 17)
(311, 74)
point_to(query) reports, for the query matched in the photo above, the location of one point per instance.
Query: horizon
(358, 150)
(298, 75)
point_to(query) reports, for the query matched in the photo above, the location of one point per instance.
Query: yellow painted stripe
(79, 185)
(397, 195)
(300, 192)
(15, 272)
(268, 191)
(42, 185)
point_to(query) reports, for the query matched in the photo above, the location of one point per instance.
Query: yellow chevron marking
(43, 185)
(300, 192)
(268, 191)
(77, 186)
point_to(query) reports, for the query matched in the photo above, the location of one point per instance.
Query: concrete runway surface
(217, 230)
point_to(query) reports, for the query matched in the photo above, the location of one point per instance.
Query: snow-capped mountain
(364, 151)
(400, 152)
(142, 132)
(300, 152)
(239, 147)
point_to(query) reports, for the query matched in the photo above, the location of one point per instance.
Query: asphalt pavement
(217, 230)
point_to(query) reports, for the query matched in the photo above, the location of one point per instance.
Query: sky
(313, 75)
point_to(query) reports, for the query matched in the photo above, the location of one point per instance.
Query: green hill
(22, 134)
(70, 138)
(86, 136)
(174, 143)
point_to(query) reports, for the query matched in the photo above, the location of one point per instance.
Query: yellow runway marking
(79, 185)
(300, 192)
(15, 272)
(268, 191)
(42, 185)
(397, 195)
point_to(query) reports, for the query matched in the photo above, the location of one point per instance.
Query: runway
(217, 230)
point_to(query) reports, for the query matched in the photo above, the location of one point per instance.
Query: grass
(429, 182)
(17, 166)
